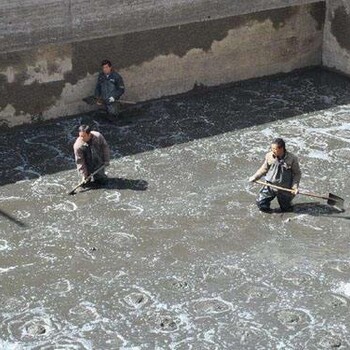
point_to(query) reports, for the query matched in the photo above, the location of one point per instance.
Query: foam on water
(189, 263)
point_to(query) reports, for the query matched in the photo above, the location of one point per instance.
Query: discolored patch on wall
(318, 12)
(32, 80)
(137, 48)
(340, 27)
(158, 62)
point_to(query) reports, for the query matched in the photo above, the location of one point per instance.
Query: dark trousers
(112, 108)
(267, 194)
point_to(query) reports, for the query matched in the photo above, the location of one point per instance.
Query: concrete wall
(28, 23)
(336, 47)
(48, 80)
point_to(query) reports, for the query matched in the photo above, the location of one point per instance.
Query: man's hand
(111, 99)
(252, 179)
(295, 189)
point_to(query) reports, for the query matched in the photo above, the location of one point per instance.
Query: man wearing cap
(280, 168)
(91, 151)
(109, 87)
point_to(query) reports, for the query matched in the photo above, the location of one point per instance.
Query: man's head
(84, 132)
(278, 147)
(106, 67)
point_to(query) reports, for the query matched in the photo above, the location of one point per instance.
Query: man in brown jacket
(91, 151)
(280, 168)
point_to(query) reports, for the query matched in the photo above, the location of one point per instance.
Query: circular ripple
(336, 301)
(327, 340)
(121, 238)
(12, 304)
(136, 300)
(4, 245)
(211, 306)
(47, 189)
(342, 267)
(292, 318)
(30, 325)
(165, 323)
(176, 284)
(244, 336)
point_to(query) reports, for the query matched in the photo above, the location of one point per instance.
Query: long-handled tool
(332, 199)
(86, 180)
(92, 100)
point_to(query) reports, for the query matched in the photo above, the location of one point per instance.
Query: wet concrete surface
(173, 253)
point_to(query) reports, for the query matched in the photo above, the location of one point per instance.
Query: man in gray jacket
(109, 87)
(280, 168)
(91, 151)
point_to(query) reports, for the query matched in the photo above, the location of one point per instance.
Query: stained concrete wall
(336, 47)
(48, 80)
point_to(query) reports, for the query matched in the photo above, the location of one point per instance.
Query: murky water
(173, 254)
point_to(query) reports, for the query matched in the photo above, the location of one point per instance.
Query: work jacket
(284, 172)
(92, 154)
(111, 85)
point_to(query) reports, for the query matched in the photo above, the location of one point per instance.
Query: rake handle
(291, 191)
(87, 179)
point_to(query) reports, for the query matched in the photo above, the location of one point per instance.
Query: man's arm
(119, 85)
(105, 150)
(261, 171)
(80, 162)
(296, 172)
(98, 87)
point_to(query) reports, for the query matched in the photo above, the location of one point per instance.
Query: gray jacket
(283, 172)
(109, 86)
(91, 155)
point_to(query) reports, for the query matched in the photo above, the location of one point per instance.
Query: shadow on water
(318, 209)
(31, 151)
(118, 184)
(12, 219)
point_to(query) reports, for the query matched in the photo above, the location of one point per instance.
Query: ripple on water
(136, 300)
(327, 340)
(244, 335)
(211, 306)
(292, 318)
(4, 245)
(32, 324)
(42, 188)
(341, 267)
(122, 238)
(176, 284)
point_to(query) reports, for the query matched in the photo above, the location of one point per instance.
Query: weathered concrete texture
(51, 80)
(336, 47)
(37, 22)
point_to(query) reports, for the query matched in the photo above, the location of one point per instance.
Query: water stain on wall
(340, 27)
(37, 78)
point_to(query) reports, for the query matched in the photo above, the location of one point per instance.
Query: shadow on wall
(33, 151)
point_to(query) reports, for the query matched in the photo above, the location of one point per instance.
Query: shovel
(332, 199)
(86, 180)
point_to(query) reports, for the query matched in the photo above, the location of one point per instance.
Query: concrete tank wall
(49, 80)
(336, 47)
(31, 23)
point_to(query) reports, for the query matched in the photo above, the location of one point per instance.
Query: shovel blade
(335, 201)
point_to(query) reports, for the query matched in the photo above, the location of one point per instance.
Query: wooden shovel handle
(291, 191)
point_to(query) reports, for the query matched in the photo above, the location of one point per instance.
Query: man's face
(277, 151)
(84, 136)
(106, 69)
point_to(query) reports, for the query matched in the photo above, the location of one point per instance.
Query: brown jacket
(284, 172)
(91, 155)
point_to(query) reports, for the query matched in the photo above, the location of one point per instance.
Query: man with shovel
(91, 152)
(280, 168)
(109, 88)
